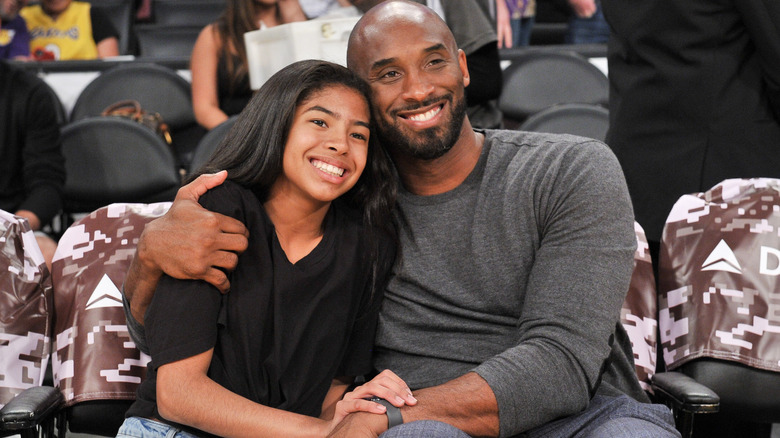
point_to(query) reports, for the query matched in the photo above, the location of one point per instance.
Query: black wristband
(394, 417)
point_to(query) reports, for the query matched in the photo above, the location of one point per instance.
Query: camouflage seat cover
(94, 358)
(25, 308)
(639, 312)
(718, 277)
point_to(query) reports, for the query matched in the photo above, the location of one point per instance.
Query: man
(517, 250)
(32, 169)
(475, 34)
(14, 37)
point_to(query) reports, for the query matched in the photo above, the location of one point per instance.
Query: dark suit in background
(694, 98)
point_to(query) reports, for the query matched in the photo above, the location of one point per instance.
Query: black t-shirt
(102, 27)
(284, 331)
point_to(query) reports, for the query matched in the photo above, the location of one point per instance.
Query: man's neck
(440, 175)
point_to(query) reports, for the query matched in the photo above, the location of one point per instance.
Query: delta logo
(722, 258)
(105, 295)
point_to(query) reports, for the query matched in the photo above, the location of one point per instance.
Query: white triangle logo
(105, 295)
(722, 258)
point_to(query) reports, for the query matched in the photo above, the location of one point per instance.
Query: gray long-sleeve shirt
(518, 274)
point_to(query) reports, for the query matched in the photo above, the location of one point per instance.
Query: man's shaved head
(377, 26)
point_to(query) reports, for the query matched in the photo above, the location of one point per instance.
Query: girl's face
(327, 146)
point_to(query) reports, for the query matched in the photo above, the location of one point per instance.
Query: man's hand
(583, 8)
(192, 243)
(188, 242)
(503, 25)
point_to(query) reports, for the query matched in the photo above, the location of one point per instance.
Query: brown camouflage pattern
(25, 308)
(639, 312)
(94, 357)
(718, 277)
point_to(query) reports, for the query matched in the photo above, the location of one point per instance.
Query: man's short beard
(431, 143)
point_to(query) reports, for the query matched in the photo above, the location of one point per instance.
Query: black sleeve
(136, 330)
(102, 27)
(44, 165)
(486, 75)
(357, 360)
(182, 318)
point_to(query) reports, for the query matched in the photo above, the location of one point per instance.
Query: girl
(280, 349)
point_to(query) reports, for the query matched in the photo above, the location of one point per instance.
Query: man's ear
(464, 67)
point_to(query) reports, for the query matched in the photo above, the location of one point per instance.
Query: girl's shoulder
(231, 199)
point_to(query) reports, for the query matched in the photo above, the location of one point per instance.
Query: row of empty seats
(113, 159)
(172, 31)
(558, 92)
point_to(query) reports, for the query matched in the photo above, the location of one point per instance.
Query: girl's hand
(385, 385)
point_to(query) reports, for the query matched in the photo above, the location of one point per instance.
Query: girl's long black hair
(253, 150)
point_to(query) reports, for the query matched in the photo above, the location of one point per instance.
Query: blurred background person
(220, 73)
(586, 23)
(14, 37)
(32, 168)
(67, 29)
(514, 21)
(694, 98)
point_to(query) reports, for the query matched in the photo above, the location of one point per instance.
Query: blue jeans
(593, 30)
(424, 429)
(614, 417)
(605, 417)
(521, 31)
(135, 427)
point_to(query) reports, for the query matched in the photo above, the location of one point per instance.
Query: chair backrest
(25, 308)
(112, 159)
(639, 312)
(187, 12)
(719, 283)
(163, 41)
(158, 89)
(208, 144)
(122, 16)
(581, 119)
(95, 363)
(538, 80)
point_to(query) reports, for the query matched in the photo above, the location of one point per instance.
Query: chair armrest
(30, 408)
(683, 393)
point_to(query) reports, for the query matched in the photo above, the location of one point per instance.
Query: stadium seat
(158, 89)
(208, 144)
(186, 12)
(96, 365)
(162, 41)
(581, 119)
(26, 313)
(112, 159)
(537, 80)
(718, 282)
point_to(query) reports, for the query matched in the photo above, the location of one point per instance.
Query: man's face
(417, 78)
(55, 7)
